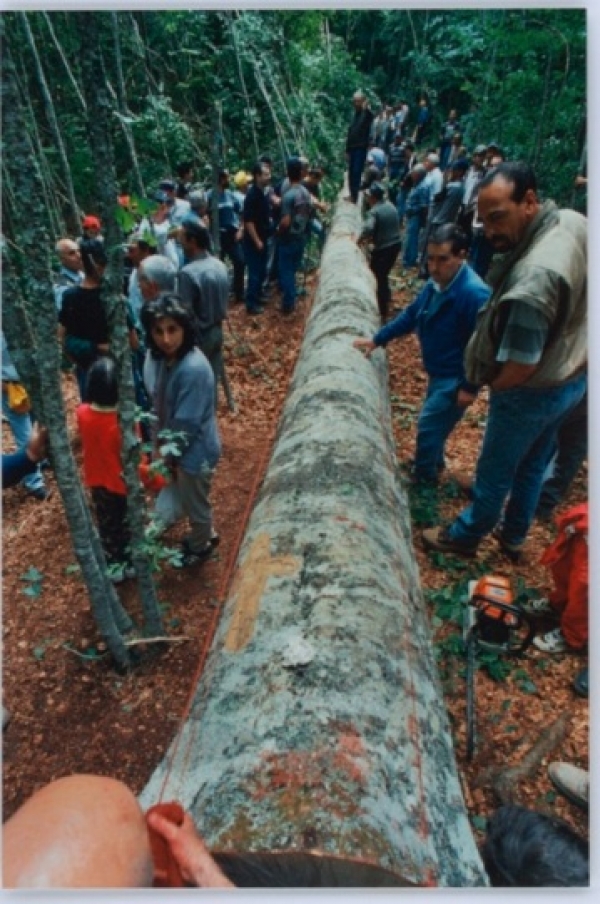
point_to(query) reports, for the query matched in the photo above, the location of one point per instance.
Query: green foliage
(34, 579)
(449, 603)
(498, 667)
(281, 81)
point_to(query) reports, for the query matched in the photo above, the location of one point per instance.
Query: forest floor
(71, 712)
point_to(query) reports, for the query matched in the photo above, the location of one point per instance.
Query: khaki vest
(548, 270)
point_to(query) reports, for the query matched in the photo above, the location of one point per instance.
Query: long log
(318, 749)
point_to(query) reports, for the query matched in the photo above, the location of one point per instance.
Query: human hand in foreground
(365, 345)
(193, 858)
(37, 447)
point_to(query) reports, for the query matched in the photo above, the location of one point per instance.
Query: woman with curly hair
(183, 402)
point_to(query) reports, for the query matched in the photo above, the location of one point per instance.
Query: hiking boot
(552, 642)
(439, 539)
(572, 782)
(581, 682)
(538, 608)
(512, 551)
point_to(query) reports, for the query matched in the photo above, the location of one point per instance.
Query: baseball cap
(461, 165)
(241, 179)
(480, 149)
(167, 185)
(90, 222)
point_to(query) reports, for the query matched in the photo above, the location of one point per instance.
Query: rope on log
(318, 728)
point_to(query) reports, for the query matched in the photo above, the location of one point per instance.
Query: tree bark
(319, 724)
(28, 303)
(65, 62)
(99, 130)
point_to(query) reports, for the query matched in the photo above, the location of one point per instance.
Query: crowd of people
(515, 324)
(178, 291)
(504, 306)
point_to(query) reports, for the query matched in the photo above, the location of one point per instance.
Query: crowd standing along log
(318, 726)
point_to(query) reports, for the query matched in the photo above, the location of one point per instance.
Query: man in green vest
(530, 348)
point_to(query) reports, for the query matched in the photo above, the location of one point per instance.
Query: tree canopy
(279, 81)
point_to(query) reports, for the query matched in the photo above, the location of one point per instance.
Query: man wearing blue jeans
(443, 316)
(530, 347)
(257, 227)
(296, 207)
(417, 205)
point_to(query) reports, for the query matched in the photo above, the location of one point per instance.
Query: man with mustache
(529, 347)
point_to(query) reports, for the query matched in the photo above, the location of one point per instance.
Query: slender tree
(91, 27)
(75, 223)
(123, 111)
(30, 324)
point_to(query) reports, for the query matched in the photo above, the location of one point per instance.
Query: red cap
(91, 222)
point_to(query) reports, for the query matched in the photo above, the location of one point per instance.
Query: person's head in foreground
(525, 849)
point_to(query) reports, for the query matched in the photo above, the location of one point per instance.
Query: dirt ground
(71, 712)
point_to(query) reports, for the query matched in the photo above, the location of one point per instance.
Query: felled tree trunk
(318, 726)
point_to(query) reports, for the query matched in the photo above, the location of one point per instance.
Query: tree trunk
(65, 62)
(28, 304)
(100, 134)
(75, 223)
(55, 216)
(319, 724)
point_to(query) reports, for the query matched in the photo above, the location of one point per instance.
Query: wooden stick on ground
(504, 781)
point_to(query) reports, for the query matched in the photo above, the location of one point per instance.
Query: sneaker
(439, 539)
(572, 782)
(512, 551)
(538, 608)
(552, 642)
(190, 557)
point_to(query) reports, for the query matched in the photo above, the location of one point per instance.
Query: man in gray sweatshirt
(382, 229)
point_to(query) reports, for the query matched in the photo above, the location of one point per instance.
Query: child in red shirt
(102, 470)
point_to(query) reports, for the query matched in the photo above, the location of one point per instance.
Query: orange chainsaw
(492, 623)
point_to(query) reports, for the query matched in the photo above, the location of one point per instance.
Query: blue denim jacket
(443, 321)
